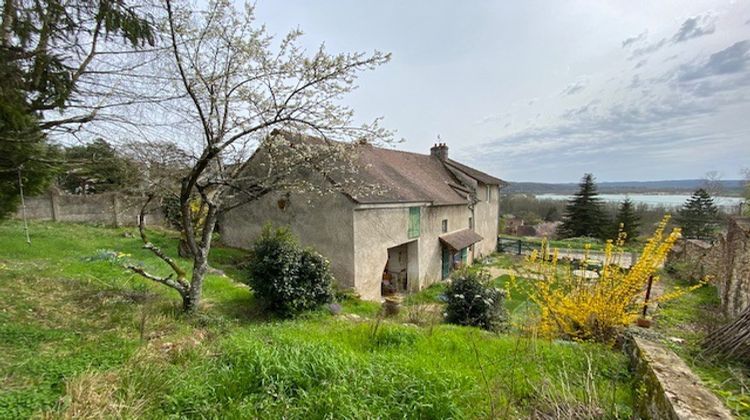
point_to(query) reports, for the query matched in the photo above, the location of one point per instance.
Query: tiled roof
(405, 177)
(476, 174)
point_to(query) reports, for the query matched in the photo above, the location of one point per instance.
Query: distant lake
(668, 200)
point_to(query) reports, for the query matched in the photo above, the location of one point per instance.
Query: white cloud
(574, 87)
(636, 39)
(695, 27)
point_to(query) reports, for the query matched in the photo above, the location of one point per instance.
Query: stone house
(431, 215)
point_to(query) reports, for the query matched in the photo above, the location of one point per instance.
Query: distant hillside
(728, 187)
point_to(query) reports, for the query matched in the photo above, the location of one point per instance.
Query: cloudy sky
(547, 90)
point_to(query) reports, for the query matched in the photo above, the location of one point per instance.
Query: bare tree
(712, 183)
(243, 89)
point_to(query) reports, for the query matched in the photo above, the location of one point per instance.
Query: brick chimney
(440, 151)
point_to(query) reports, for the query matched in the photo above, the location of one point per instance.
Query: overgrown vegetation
(685, 322)
(578, 305)
(82, 337)
(286, 277)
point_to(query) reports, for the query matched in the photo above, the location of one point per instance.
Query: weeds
(87, 339)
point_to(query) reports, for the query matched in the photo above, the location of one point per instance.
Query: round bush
(473, 301)
(287, 278)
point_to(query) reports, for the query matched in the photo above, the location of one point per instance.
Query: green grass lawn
(691, 317)
(82, 337)
(517, 302)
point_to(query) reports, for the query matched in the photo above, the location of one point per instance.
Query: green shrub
(473, 301)
(287, 278)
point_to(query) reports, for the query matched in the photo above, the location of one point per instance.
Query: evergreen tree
(698, 216)
(97, 167)
(584, 215)
(47, 49)
(25, 157)
(627, 220)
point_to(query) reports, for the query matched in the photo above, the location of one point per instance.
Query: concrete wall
(112, 209)
(324, 222)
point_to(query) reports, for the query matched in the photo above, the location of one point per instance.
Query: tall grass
(87, 339)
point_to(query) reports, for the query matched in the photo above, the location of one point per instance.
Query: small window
(414, 221)
(489, 193)
(445, 225)
(471, 223)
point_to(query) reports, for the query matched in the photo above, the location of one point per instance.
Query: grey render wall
(378, 228)
(323, 222)
(487, 219)
(356, 238)
(112, 209)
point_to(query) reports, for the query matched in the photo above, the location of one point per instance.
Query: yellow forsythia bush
(576, 306)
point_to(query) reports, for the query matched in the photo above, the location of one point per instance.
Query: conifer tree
(53, 56)
(627, 220)
(698, 216)
(584, 215)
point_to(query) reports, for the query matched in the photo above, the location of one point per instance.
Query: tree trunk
(732, 341)
(191, 302)
(183, 249)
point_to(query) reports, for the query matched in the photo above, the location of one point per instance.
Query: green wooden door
(446, 262)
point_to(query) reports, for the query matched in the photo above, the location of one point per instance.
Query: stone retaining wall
(727, 261)
(667, 388)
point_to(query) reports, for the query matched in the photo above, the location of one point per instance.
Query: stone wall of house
(111, 209)
(727, 261)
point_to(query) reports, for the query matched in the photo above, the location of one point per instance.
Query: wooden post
(23, 206)
(54, 206)
(519, 247)
(648, 294)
